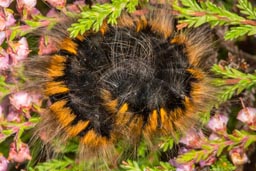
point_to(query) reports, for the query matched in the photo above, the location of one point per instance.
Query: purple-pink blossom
(1, 115)
(2, 36)
(3, 163)
(214, 137)
(208, 162)
(57, 3)
(238, 156)
(52, 13)
(20, 154)
(5, 3)
(6, 18)
(248, 116)
(74, 7)
(18, 50)
(21, 100)
(27, 9)
(46, 46)
(36, 98)
(13, 116)
(218, 123)
(4, 60)
(185, 167)
(26, 4)
(189, 166)
(193, 138)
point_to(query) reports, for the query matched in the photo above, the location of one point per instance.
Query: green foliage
(195, 14)
(135, 166)
(238, 31)
(168, 144)
(237, 139)
(93, 18)
(13, 126)
(246, 8)
(65, 164)
(233, 82)
(31, 26)
(3, 86)
(222, 164)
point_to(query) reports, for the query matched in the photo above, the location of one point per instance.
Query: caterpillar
(139, 79)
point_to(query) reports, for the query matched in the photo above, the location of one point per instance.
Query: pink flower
(214, 136)
(18, 50)
(57, 3)
(26, 4)
(248, 116)
(2, 36)
(46, 46)
(34, 12)
(193, 138)
(76, 6)
(105, 1)
(238, 156)
(10, 20)
(1, 115)
(5, 3)
(20, 154)
(218, 123)
(186, 167)
(52, 13)
(21, 100)
(3, 163)
(4, 60)
(36, 98)
(208, 162)
(13, 116)
(27, 8)
(190, 166)
(6, 19)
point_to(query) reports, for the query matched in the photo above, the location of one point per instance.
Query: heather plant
(226, 140)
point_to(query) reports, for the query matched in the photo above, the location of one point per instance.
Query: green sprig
(196, 14)
(237, 139)
(3, 86)
(233, 82)
(222, 164)
(247, 9)
(93, 18)
(21, 126)
(64, 164)
(135, 166)
(167, 144)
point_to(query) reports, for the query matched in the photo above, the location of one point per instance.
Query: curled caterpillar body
(138, 79)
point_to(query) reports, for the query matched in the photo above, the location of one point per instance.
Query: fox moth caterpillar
(139, 79)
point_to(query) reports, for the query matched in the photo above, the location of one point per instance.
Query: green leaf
(238, 31)
(220, 149)
(222, 164)
(64, 164)
(131, 166)
(244, 81)
(195, 15)
(168, 144)
(186, 157)
(191, 4)
(93, 18)
(246, 8)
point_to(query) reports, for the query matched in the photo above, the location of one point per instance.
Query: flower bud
(248, 116)
(218, 123)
